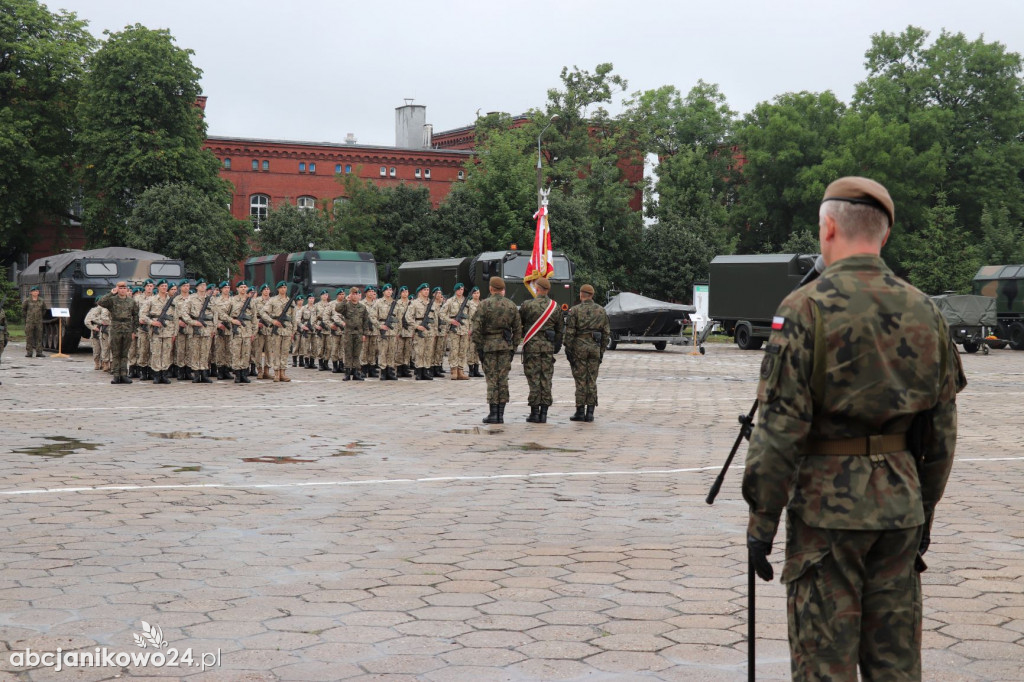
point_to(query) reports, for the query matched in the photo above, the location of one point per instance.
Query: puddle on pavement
(61, 446)
(352, 449)
(266, 459)
(178, 470)
(537, 447)
(182, 435)
(477, 430)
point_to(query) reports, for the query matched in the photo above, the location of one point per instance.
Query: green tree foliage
(942, 257)
(677, 254)
(41, 66)
(139, 127)
(1004, 238)
(10, 298)
(288, 229)
(179, 220)
(354, 223)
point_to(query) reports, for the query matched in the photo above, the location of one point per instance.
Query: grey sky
(318, 69)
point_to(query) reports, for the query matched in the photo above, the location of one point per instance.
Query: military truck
(477, 270)
(1005, 283)
(745, 291)
(76, 279)
(313, 270)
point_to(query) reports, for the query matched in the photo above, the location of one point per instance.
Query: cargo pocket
(810, 601)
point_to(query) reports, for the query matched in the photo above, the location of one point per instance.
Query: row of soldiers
(202, 335)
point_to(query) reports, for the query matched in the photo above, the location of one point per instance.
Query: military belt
(862, 446)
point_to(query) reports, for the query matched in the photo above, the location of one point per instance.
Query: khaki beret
(857, 190)
(587, 289)
(542, 283)
(497, 283)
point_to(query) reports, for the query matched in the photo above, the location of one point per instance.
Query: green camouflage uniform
(856, 354)
(32, 313)
(124, 318)
(538, 352)
(357, 325)
(493, 320)
(586, 320)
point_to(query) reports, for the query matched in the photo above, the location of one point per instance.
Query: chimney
(428, 135)
(409, 122)
(350, 139)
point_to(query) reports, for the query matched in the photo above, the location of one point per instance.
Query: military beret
(280, 284)
(299, 297)
(458, 285)
(323, 291)
(403, 288)
(241, 283)
(474, 289)
(264, 286)
(339, 291)
(422, 287)
(225, 284)
(542, 283)
(311, 295)
(858, 190)
(436, 290)
(184, 282)
(386, 287)
(200, 281)
(161, 281)
(148, 281)
(136, 290)
(497, 283)
(368, 289)
(34, 289)
(587, 289)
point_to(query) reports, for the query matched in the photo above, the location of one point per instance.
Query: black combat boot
(189, 374)
(225, 372)
(492, 418)
(338, 369)
(428, 374)
(172, 372)
(438, 371)
(238, 376)
(163, 377)
(534, 417)
(197, 378)
(322, 366)
(204, 376)
(125, 380)
(476, 372)
(543, 415)
(295, 361)
(392, 374)
(358, 375)
(403, 371)
(501, 413)
(384, 376)
(116, 379)
(133, 372)
(579, 416)
(374, 371)
(348, 375)
(252, 369)
(590, 413)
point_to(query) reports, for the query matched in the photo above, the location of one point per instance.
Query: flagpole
(540, 172)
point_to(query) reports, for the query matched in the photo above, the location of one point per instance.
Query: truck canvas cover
(967, 311)
(635, 314)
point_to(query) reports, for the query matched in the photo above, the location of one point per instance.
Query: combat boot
(492, 417)
(590, 413)
(462, 375)
(189, 374)
(198, 377)
(579, 416)
(501, 413)
(163, 377)
(125, 380)
(534, 417)
(116, 380)
(171, 372)
(374, 371)
(224, 373)
(96, 364)
(543, 415)
(295, 361)
(474, 371)
(238, 376)
(348, 375)
(358, 375)
(438, 371)
(243, 375)
(283, 377)
(204, 377)
(392, 374)
(384, 375)
(427, 373)
(277, 375)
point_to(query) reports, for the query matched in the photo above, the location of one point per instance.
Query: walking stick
(746, 427)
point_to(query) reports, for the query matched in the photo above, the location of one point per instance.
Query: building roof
(338, 145)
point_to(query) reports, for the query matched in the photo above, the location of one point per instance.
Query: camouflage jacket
(209, 318)
(356, 317)
(405, 329)
(234, 310)
(97, 320)
(495, 317)
(451, 309)
(414, 316)
(380, 314)
(585, 318)
(272, 309)
(151, 311)
(124, 312)
(856, 353)
(529, 313)
(32, 311)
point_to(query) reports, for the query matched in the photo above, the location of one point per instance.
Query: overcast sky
(316, 70)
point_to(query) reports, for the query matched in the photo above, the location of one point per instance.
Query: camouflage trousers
(133, 350)
(97, 348)
(118, 345)
(352, 348)
(303, 344)
(259, 350)
(539, 369)
(181, 348)
(160, 348)
(387, 349)
(422, 350)
(317, 347)
(222, 350)
(335, 348)
(586, 362)
(33, 337)
(241, 346)
(459, 348)
(199, 352)
(437, 354)
(496, 369)
(145, 352)
(369, 352)
(852, 596)
(403, 350)
(277, 351)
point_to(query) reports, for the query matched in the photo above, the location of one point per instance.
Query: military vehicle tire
(997, 345)
(745, 338)
(613, 341)
(660, 345)
(1017, 336)
(971, 347)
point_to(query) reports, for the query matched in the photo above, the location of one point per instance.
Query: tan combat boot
(106, 367)
(284, 377)
(264, 372)
(277, 375)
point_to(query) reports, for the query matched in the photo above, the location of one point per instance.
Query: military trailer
(477, 270)
(1005, 283)
(76, 279)
(969, 318)
(313, 270)
(745, 291)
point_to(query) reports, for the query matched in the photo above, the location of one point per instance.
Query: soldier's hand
(197, 324)
(236, 322)
(759, 551)
(456, 322)
(277, 323)
(157, 323)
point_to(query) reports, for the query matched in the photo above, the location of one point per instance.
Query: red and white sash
(540, 322)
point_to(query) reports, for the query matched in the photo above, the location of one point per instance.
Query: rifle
(389, 321)
(283, 317)
(202, 313)
(461, 315)
(162, 319)
(243, 317)
(425, 323)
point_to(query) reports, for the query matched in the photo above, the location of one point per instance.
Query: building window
(258, 205)
(337, 168)
(302, 167)
(426, 173)
(416, 173)
(348, 168)
(306, 203)
(227, 164)
(266, 165)
(255, 165)
(462, 175)
(339, 203)
(312, 168)
(393, 172)
(383, 171)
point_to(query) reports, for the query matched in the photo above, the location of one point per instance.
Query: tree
(1004, 238)
(354, 219)
(287, 229)
(41, 65)
(942, 257)
(677, 253)
(179, 220)
(140, 127)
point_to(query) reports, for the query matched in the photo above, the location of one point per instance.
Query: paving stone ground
(322, 530)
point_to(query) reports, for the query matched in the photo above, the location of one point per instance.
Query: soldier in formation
(368, 359)
(497, 323)
(385, 317)
(139, 355)
(473, 354)
(32, 309)
(856, 443)
(97, 321)
(357, 326)
(403, 344)
(417, 317)
(123, 316)
(278, 316)
(587, 333)
(201, 319)
(455, 314)
(179, 366)
(542, 338)
(158, 314)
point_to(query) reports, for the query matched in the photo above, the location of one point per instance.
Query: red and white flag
(541, 262)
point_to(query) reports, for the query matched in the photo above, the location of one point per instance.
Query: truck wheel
(745, 338)
(970, 346)
(660, 345)
(1017, 336)
(613, 341)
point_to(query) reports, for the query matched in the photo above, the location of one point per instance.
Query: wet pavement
(321, 530)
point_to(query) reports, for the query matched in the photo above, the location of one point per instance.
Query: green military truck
(76, 279)
(477, 270)
(1005, 283)
(313, 270)
(745, 291)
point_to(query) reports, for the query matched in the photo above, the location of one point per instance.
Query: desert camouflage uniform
(304, 330)
(387, 347)
(858, 354)
(184, 334)
(538, 352)
(280, 337)
(458, 336)
(440, 333)
(368, 355)
(336, 323)
(585, 321)
(199, 343)
(222, 339)
(259, 355)
(139, 354)
(97, 320)
(493, 319)
(241, 335)
(160, 338)
(403, 344)
(422, 341)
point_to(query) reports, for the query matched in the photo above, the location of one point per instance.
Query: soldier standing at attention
(403, 346)
(855, 438)
(277, 317)
(474, 354)
(124, 316)
(368, 360)
(242, 318)
(308, 330)
(94, 321)
(336, 324)
(158, 314)
(202, 321)
(386, 318)
(222, 346)
(455, 315)
(142, 333)
(32, 309)
(586, 336)
(542, 338)
(440, 331)
(184, 333)
(414, 315)
(321, 348)
(500, 330)
(357, 328)
(261, 358)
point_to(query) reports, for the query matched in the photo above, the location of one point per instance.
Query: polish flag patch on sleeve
(777, 323)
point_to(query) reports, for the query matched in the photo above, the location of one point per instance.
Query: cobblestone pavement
(377, 531)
